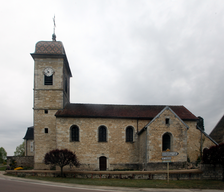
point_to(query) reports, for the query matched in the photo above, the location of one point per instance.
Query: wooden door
(103, 163)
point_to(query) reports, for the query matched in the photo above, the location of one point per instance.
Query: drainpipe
(26, 148)
(146, 154)
(137, 125)
(201, 147)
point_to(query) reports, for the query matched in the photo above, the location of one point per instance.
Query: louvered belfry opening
(48, 80)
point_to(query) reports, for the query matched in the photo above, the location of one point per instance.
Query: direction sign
(166, 161)
(169, 154)
(166, 158)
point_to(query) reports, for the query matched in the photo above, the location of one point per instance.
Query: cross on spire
(54, 36)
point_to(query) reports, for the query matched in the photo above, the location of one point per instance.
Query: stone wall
(178, 134)
(206, 172)
(50, 98)
(163, 166)
(194, 142)
(29, 147)
(142, 144)
(88, 149)
(44, 142)
(25, 161)
(211, 171)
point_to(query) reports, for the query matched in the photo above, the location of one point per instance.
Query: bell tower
(51, 93)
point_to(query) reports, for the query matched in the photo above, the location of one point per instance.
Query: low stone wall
(25, 161)
(211, 171)
(161, 175)
(206, 172)
(134, 167)
(163, 166)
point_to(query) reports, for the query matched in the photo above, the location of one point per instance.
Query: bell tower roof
(49, 47)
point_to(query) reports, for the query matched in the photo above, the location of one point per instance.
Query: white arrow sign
(166, 158)
(169, 154)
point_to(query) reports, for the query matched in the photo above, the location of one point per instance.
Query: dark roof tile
(218, 132)
(29, 134)
(49, 47)
(121, 111)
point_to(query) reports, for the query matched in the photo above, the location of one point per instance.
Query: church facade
(105, 137)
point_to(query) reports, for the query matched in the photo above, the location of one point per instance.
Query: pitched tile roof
(29, 134)
(121, 111)
(218, 132)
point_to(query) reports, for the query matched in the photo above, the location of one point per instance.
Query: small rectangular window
(31, 146)
(46, 111)
(167, 121)
(45, 130)
(48, 80)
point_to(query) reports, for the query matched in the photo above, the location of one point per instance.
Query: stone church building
(105, 137)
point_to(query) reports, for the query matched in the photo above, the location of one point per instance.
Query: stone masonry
(52, 131)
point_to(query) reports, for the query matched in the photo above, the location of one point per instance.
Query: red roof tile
(121, 111)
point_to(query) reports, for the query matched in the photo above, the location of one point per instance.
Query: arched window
(102, 134)
(129, 134)
(74, 132)
(166, 141)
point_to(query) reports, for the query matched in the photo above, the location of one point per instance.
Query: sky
(138, 52)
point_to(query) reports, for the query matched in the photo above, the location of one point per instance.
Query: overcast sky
(166, 52)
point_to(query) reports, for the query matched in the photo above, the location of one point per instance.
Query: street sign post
(167, 158)
(169, 154)
(166, 161)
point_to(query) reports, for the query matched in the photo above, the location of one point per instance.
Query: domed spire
(53, 35)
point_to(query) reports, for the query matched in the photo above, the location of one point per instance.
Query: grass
(177, 184)
(2, 167)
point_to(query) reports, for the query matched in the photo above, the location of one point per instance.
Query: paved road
(21, 186)
(12, 184)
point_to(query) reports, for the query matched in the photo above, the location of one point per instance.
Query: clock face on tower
(48, 71)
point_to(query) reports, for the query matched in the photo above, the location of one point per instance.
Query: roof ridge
(124, 104)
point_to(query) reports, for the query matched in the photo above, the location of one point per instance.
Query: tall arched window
(166, 141)
(102, 134)
(74, 132)
(129, 134)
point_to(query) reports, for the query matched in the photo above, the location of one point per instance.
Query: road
(22, 186)
(18, 184)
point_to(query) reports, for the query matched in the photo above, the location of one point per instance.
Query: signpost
(169, 154)
(167, 158)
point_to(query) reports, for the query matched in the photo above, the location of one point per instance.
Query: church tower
(51, 93)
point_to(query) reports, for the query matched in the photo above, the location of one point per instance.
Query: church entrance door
(103, 163)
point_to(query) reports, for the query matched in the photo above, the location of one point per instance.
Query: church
(104, 137)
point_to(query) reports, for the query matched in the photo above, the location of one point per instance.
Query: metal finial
(54, 36)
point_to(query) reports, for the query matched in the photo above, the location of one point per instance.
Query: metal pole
(168, 172)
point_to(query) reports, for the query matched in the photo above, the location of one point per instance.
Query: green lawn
(179, 184)
(2, 167)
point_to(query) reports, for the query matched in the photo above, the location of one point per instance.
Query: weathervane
(54, 36)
